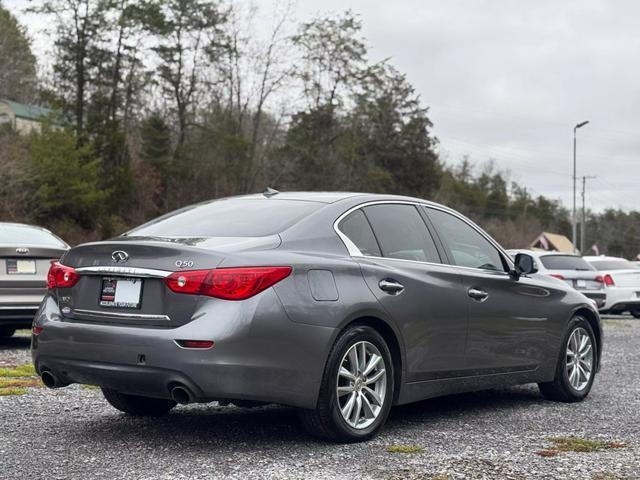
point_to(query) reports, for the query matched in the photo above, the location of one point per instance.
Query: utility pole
(583, 224)
(574, 219)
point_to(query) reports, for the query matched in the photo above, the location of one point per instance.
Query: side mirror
(524, 265)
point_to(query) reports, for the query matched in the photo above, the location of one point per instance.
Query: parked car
(339, 304)
(622, 282)
(26, 253)
(574, 270)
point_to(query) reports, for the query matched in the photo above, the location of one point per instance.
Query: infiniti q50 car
(340, 304)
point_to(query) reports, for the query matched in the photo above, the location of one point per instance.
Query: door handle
(391, 286)
(478, 294)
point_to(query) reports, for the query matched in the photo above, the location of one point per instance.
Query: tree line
(163, 103)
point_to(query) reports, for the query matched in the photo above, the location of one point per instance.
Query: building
(24, 119)
(553, 242)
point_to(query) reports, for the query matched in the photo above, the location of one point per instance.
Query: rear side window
(357, 228)
(565, 262)
(620, 264)
(402, 233)
(466, 246)
(233, 217)
(26, 235)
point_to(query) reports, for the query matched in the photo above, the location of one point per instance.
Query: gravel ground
(73, 434)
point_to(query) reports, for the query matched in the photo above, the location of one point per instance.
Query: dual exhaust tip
(179, 393)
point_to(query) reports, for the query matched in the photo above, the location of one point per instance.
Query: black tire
(137, 405)
(326, 421)
(560, 389)
(6, 332)
(635, 313)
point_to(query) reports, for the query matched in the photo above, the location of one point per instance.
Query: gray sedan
(339, 304)
(26, 253)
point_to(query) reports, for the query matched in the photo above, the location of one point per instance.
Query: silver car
(574, 270)
(339, 304)
(26, 253)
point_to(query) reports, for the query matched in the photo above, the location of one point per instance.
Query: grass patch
(12, 391)
(19, 382)
(574, 444)
(404, 449)
(609, 323)
(90, 387)
(23, 331)
(606, 476)
(25, 370)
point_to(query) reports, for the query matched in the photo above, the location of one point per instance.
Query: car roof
(602, 257)
(538, 253)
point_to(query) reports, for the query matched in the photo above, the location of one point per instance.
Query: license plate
(121, 292)
(21, 267)
(581, 283)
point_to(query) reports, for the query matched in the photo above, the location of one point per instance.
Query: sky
(507, 80)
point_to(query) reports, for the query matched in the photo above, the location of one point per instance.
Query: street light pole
(583, 223)
(574, 222)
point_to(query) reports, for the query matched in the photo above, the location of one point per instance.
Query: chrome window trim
(119, 316)
(354, 251)
(124, 271)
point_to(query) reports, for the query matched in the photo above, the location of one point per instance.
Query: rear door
(402, 266)
(508, 319)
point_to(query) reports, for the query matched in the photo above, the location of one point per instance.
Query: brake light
(608, 280)
(556, 275)
(599, 279)
(226, 283)
(61, 276)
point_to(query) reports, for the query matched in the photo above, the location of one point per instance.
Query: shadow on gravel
(272, 426)
(15, 342)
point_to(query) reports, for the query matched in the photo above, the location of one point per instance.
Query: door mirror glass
(525, 265)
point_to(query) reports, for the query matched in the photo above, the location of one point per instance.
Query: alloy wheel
(361, 384)
(579, 359)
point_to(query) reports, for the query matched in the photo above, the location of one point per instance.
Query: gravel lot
(73, 434)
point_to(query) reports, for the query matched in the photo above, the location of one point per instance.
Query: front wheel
(137, 405)
(576, 368)
(357, 388)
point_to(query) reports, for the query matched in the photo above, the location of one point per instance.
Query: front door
(507, 317)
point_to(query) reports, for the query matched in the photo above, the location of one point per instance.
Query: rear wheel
(137, 405)
(635, 313)
(357, 388)
(7, 332)
(576, 368)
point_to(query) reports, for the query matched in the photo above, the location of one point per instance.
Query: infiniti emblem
(120, 256)
(22, 250)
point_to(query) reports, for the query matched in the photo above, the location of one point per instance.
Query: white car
(571, 269)
(622, 284)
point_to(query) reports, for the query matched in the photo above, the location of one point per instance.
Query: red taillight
(608, 280)
(61, 276)
(599, 279)
(36, 330)
(556, 275)
(227, 283)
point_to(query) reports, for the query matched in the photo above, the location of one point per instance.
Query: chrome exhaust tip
(181, 395)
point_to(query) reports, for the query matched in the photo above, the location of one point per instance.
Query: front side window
(465, 245)
(356, 227)
(402, 233)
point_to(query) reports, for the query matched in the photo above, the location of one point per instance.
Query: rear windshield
(229, 218)
(620, 264)
(25, 235)
(565, 262)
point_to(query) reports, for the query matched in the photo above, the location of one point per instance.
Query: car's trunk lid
(626, 278)
(138, 267)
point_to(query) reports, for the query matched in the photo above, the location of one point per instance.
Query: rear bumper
(621, 299)
(599, 297)
(259, 354)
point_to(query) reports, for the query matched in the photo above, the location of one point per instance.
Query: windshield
(26, 235)
(565, 262)
(618, 264)
(233, 217)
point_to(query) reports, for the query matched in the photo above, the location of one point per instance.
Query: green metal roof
(29, 112)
